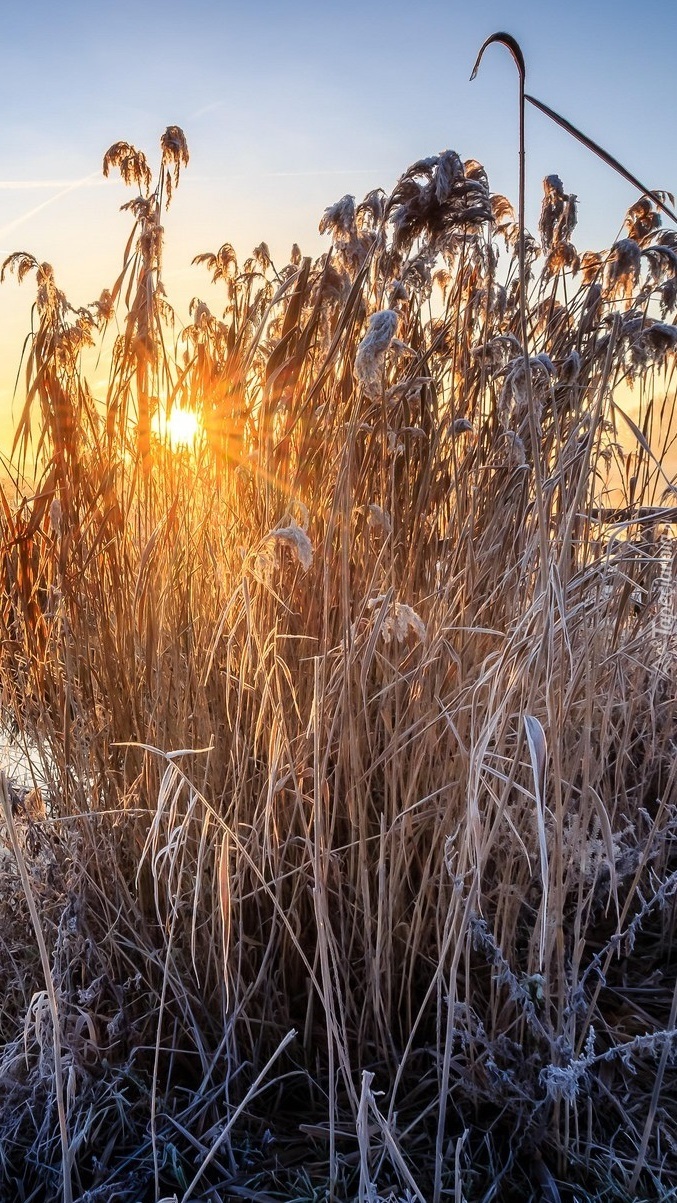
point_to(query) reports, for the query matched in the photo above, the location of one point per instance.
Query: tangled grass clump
(351, 860)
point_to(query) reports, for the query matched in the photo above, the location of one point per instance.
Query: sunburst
(180, 429)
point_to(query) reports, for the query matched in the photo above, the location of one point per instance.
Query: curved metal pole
(604, 156)
(507, 40)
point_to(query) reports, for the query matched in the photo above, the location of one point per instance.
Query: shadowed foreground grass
(352, 868)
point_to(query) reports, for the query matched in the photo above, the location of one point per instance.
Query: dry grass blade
(246, 1101)
(59, 1077)
(539, 758)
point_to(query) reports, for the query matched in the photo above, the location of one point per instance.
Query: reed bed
(348, 869)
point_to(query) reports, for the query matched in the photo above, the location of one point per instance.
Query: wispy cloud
(314, 172)
(207, 108)
(283, 175)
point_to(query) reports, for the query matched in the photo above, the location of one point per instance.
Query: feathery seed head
(379, 518)
(448, 175)
(642, 219)
(502, 212)
(370, 211)
(668, 296)
(494, 353)
(174, 154)
(332, 285)
(398, 293)
(55, 515)
(461, 426)
(371, 351)
(21, 263)
(558, 213)
(516, 456)
(295, 538)
(399, 621)
(561, 256)
(223, 265)
(104, 308)
(571, 368)
(591, 264)
(174, 149)
(132, 165)
(339, 218)
(49, 299)
(650, 342)
(622, 268)
(435, 199)
(513, 401)
(261, 256)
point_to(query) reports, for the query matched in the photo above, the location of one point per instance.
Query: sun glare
(180, 429)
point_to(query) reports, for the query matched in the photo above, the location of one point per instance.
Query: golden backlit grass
(352, 866)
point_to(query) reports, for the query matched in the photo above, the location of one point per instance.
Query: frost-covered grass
(357, 716)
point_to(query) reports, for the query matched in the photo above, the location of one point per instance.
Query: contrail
(18, 221)
(64, 186)
(32, 185)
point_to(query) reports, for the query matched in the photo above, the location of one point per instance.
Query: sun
(180, 429)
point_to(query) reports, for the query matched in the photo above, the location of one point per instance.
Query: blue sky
(287, 106)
